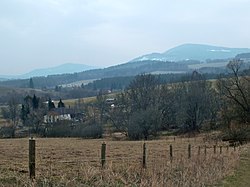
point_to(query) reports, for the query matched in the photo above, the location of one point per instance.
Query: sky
(45, 33)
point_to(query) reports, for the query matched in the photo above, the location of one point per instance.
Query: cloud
(104, 32)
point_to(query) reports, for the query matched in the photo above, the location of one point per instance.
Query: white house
(58, 114)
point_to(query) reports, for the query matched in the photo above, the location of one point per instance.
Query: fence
(142, 159)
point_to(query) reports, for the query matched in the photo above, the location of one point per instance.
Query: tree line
(148, 106)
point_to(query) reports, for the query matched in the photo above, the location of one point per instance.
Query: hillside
(2, 79)
(127, 69)
(181, 59)
(61, 69)
(194, 52)
(243, 56)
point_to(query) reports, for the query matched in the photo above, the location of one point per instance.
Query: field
(76, 162)
(240, 178)
(79, 83)
(215, 64)
(72, 102)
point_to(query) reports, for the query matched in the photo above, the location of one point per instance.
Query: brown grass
(240, 177)
(72, 102)
(76, 162)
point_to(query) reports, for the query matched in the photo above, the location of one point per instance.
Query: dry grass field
(76, 162)
(240, 178)
(72, 102)
(86, 100)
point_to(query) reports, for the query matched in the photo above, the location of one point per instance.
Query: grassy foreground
(241, 176)
(76, 162)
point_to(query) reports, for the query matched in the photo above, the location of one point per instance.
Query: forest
(145, 107)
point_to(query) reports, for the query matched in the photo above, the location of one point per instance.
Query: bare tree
(197, 104)
(119, 115)
(101, 106)
(11, 113)
(236, 93)
(144, 96)
(143, 92)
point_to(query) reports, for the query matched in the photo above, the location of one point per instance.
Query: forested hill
(181, 59)
(243, 56)
(127, 69)
(197, 52)
(67, 68)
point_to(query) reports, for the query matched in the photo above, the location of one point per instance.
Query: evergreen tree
(60, 104)
(24, 113)
(31, 83)
(35, 102)
(51, 104)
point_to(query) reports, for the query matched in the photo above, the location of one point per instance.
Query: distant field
(79, 83)
(198, 66)
(72, 102)
(76, 162)
(167, 72)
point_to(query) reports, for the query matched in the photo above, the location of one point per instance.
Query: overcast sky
(45, 33)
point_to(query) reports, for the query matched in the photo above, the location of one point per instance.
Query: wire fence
(36, 159)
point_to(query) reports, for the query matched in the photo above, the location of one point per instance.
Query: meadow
(203, 65)
(77, 162)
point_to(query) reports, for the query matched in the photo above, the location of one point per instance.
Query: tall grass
(76, 162)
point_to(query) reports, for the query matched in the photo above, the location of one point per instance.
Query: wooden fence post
(189, 151)
(171, 152)
(32, 158)
(144, 156)
(205, 150)
(220, 149)
(199, 150)
(103, 154)
(214, 149)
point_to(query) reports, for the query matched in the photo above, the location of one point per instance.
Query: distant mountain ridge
(61, 69)
(243, 56)
(194, 52)
(181, 59)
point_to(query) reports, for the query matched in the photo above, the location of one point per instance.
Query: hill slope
(61, 69)
(156, 63)
(194, 52)
(127, 69)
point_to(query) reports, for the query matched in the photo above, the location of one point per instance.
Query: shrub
(237, 135)
(7, 132)
(60, 129)
(67, 129)
(89, 131)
